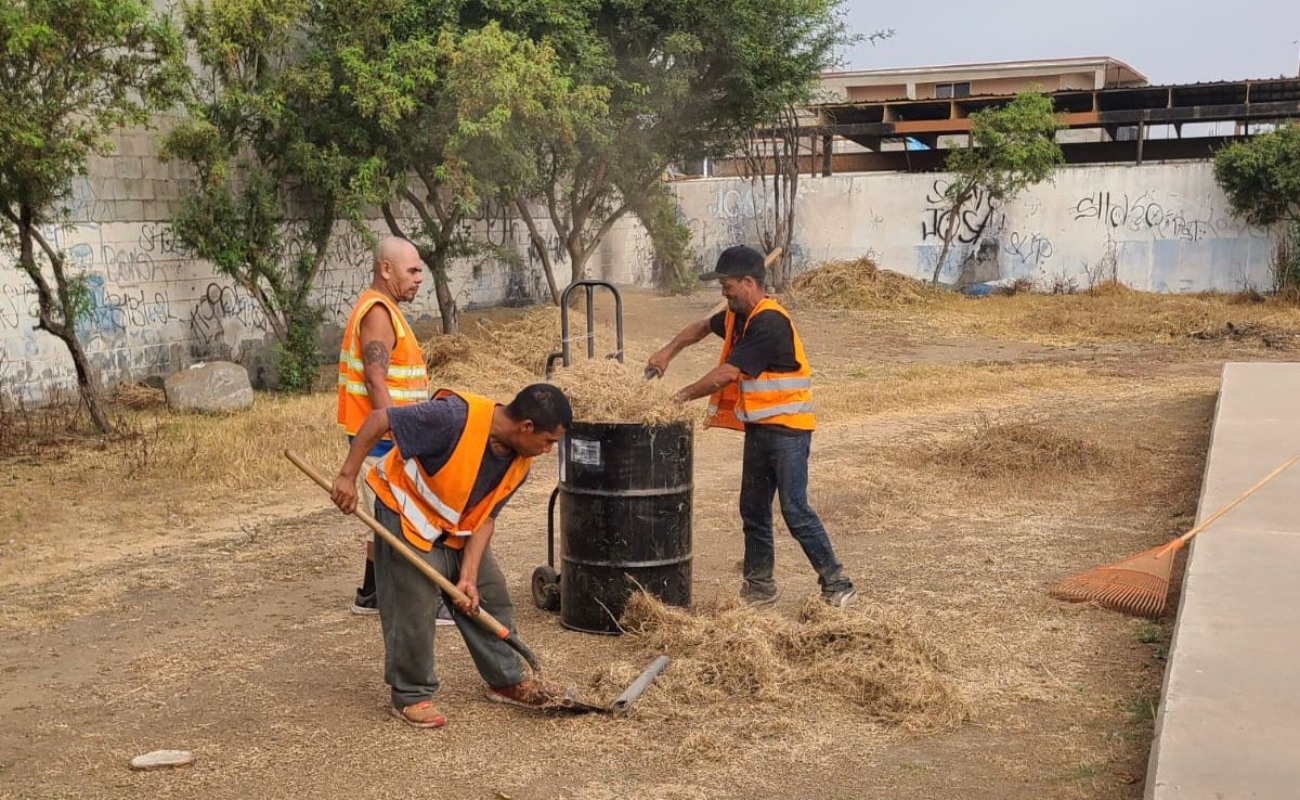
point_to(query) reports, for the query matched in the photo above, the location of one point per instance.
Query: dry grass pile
(1112, 311)
(995, 449)
(608, 391)
(732, 655)
(859, 285)
(498, 359)
(137, 396)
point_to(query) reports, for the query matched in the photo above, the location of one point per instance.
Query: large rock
(213, 388)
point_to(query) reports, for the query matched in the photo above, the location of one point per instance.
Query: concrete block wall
(156, 308)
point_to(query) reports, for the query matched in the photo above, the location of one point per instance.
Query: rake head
(1138, 585)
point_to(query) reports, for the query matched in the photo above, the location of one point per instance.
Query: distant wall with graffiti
(1158, 227)
(155, 308)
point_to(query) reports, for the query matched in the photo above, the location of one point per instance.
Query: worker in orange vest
(458, 459)
(380, 366)
(762, 386)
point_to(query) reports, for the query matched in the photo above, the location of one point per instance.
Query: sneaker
(839, 598)
(531, 693)
(756, 596)
(365, 605)
(444, 615)
(420, 715)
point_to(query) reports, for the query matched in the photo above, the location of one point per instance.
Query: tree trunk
(539, 243)
(48, 299)
(86, 382)
(446, 303)
(949, 231)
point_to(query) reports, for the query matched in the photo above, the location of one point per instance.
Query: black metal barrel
(625, 519)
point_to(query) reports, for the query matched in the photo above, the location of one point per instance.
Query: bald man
(381, 366)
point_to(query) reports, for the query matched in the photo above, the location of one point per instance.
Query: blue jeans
(776, 463)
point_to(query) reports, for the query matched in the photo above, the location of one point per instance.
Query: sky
(1168, 41)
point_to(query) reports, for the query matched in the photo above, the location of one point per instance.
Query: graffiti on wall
(980, 217)
(1148, 214)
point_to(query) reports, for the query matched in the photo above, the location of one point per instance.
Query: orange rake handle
(1178, 543)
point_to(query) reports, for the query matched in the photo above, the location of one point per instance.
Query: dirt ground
(207, 608)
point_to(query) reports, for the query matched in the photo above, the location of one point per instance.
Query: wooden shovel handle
(1182, 540)
(482, 617)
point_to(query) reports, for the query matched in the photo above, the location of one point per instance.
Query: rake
(1139, 585)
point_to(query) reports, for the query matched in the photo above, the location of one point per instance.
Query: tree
(378, 66)
(772, 168)
(678, 80)
(271, 182)
(773, 159)
(1261, 177)
(71, 73)
(506, 89)
(1010, 149)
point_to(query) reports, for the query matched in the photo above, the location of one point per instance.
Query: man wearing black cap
(763, 386)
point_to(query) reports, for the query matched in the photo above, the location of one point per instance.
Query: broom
(1140, 585)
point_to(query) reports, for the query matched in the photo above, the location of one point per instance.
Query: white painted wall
(1167, 226)
(156, 309)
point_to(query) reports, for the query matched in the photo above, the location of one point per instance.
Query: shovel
(480, 616)
(568, 702)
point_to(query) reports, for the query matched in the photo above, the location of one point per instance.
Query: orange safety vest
(772, 398)
(407, 379)
(433, 507)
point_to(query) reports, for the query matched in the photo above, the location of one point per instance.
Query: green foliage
(1261, 176)
(272, 175)
(671, 237)
(657, 82)
(299, 355)
(380, 70)
(74, 71)
(71, 73)
(1012, 148)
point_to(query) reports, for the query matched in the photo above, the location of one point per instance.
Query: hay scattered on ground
(607, 391)
(859, 285)
(1109, 311)
(138, 396)
(995, 449)
(746, 659)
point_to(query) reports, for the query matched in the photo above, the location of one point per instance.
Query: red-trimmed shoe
(531, 693)
(420, 715)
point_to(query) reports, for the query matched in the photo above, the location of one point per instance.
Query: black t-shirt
(767, 345)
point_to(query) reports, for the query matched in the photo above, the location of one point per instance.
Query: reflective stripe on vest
(775, 384)
(772, 411)
(406, 379)
(772, 398)
(433, 507)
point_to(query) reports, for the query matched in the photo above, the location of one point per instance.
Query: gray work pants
(408, 609)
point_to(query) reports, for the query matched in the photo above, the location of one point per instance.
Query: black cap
(738, 261)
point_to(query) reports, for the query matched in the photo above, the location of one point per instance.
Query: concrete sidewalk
(1229, 720)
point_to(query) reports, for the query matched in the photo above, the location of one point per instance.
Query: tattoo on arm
(375, 352)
